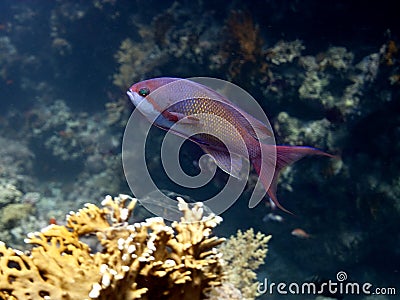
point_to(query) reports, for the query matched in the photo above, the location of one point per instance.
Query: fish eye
(144, 92)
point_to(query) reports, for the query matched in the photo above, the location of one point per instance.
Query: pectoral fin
(184, 119)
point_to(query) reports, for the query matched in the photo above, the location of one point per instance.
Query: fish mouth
(135, 98)
(131, 96)
(129, 93)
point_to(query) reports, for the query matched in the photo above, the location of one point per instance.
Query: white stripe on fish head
(144, 106)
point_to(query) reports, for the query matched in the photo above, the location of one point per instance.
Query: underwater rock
(9, 194)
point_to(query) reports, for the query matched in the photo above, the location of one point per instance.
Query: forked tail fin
(285, 155)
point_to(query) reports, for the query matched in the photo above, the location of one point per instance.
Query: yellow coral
(243, 254)
(147, 260)
(59, 267)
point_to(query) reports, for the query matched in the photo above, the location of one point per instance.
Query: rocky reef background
(327, 75)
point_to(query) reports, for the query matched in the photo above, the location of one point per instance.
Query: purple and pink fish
(200, 114)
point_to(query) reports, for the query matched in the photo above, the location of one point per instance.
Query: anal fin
(230, 163)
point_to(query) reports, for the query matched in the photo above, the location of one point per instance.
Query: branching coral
(242, 255)
(147, 260)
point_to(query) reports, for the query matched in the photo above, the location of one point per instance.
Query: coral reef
(16, 162)
(323, 69)
(9, 194)
(12, 217)
(146, 260)
(117, 112)
(64, 134)
(135, 59)
(294, 132)
(8, 55)
(12, 213)
(243, 36)
(240, 264)
(56, 132)
(390, 53)
(285, 52)
(171, 39)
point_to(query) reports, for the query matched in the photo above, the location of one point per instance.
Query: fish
(186, 108)
(273, 217)
(301, 233)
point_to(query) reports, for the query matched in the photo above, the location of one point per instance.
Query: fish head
(145, 98)
(140, 90)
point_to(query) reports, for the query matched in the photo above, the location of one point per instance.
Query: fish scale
(211, 111)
